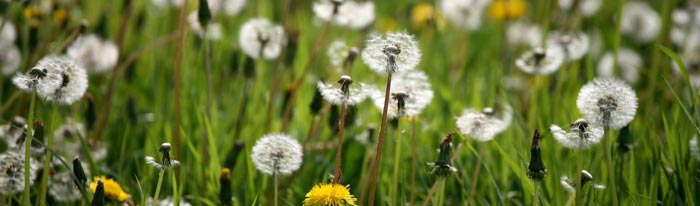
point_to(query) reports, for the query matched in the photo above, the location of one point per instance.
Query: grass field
(202, 90)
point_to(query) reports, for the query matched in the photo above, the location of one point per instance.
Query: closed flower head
(348, 13)
(443, 166)
(275, 154)
(580, 135)
(344, 93)
(260, 38)
(410, 94)
(329, 195)
(94, 54)
(541, 61)
(484, 125)
(392, 52)
(607, 102)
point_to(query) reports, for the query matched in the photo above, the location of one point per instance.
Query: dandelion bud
(249, 67)
(90, 116)
(79, 172)
(352, 55)
(232, 156)
(443, 166)
(536, 170)
(225, 195)
(291, 49)
(38, 130)
(316, 102)
(132, 112)
(203, 13)
(99, 198)
(624, 140)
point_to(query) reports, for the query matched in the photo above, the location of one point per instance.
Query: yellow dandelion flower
(329, 195)
(507, 9)
(424, 15)
(386, 24)
(112, 189)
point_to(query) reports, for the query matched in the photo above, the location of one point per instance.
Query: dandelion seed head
(260, 38)
(640, 21)
(410, 94)
(347, 13)
(541, 61)
(93, 53)
(62, 187)
(392, 52)
(10, 58)
(522, 33)
(277, 154)
(484, 125)
(574, 45)
(340, 54)
(227, 7)
(213, 30)
(629, 63)
(587, 7)
(568, 186)
(12, 175)
(345, 92)
(581, 135)
(464, 13)
(8, 34)
(607, 102)
(329, 194)
(691, 59)
(55, 78)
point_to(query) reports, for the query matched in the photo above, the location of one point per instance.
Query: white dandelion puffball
(260, 38)
(213, 30)
(94, 54)
(640, 21)
(62, 187)
(464, 13)
(352, 14)
(580, 135)
(277, 154)
(44, 78)
(541, 61)
(10, 58)
(587, 7)
(340, 53)
(8, 34)
(410, 94)
(346, 92)
(392, 52)
(12, 175)
(629, 63)
(521, 33)
(74, 80)
(228, 7)
(484, 125)
(575, 45)
(607, 102)
(686, 27)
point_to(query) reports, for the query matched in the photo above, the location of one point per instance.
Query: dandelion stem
(397, 162)
(611, 172)
(160, 181)
(441, 190)
(341, 129)
(414, 161)
(242, 109)
(578, 181)
(380, 141)
(41, 199)
(28, 151)
(475, 178)
(275, 188)
(535, 197)
(302, 77)
(178, 80)
(176, 195)
(207, 71)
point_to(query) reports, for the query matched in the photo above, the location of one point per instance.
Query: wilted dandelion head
(344, 92)
(640, 21)
(260, 38)
(112, 189)
(342, 55)
(536, 169)
(54, 78)
(275, 154)
(410, 94)
(541, 61)
(10, 58)
(443, 166)
(484, 125)
(348, 13)
(587, 7)
(581, 134)
(12, 175)
(227, 7)
(522, 33)
(62, 187)
(464, 13)
(574, 44)
(94, 54)
(629, 63)
(607, 102)
(213, 29)
(392, 52)
(329, 194)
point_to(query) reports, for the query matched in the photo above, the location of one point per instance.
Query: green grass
(659, 169)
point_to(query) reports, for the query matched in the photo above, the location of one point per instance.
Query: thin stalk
(441, 191)
(41, 199)
(414, 161)
(28, 151)
(535, 198)
(273, 92)
(380, 141)
(242, 109)
(176, 194)
(475, 178)
(293, 95)
(579, 176)
(610, 166)
(207, 71)
(397, 162)
(160, 181)
(178, 80)
(275, 188)
(341, 130)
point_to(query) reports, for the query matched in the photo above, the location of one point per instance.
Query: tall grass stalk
(380, 141)
(28, 151)
(160, 182)
(414, 160)
(393, 190)
(178, 80)
(475, 178)
(339, 150)
(610, 165)
(441, 192)
(579, 177)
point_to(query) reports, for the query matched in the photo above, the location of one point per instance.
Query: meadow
(349, 102)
